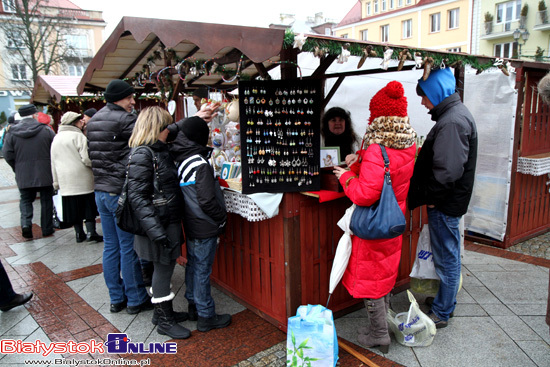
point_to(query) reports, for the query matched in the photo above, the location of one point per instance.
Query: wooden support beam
(262, 70)
(139, 58)
(323, 66)
(332, 92)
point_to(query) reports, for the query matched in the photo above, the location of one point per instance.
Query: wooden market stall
(275, 264)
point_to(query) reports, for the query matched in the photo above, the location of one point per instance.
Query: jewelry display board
(280, 135)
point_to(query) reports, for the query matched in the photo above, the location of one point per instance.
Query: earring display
(281, 135)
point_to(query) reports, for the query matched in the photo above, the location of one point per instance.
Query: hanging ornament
(213, 67)
(299, 41)
(320, 52)
(367, 52)
(387, 57)
(344, 56)
(509, 67)
(193, 71)
(403, 55)
(499, 63)
(428, 66)
(418, 60)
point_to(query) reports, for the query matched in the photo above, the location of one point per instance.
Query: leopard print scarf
(391, 131)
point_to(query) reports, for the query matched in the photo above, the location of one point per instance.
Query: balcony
(494, 30)
(542, 22)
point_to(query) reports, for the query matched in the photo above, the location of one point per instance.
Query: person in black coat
(27, 150)
(204, 219)
(150, 161)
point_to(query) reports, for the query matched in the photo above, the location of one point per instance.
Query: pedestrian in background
(150, 161)
(27, 150)
(443, 180)
(8, 298)
(73, 177)
(374, 264)
(108, 133)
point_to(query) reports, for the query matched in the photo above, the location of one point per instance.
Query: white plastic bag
(413, 328)
(424, 267)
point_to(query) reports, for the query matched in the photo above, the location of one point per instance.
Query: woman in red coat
(374, 264)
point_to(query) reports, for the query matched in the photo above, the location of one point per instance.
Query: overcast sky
(257, 13)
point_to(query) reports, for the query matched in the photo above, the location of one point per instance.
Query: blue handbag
(383, 219)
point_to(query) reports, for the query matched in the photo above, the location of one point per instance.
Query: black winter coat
(205, 214)
(140, 190)
(108, 133)
(27, 150)
(444, 171)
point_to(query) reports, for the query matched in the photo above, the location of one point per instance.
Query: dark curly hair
(348, 136)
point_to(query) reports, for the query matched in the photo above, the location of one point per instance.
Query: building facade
(82, 31)
(512, 29)
(443, 25)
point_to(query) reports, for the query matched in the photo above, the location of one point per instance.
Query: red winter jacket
(374, 264)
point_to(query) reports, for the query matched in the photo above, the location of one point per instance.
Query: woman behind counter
(374, 264)
(162, 244)
(337, 131)
(73, 177)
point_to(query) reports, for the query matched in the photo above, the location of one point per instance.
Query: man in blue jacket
(443, 179)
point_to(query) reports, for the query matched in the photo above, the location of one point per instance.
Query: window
(435, 22)
(399, 2)
(456, 49)
(375, 6)
(368, 8)
(365, 35)
(409, 2)
(506, 50)
(453, 18)
(385, 33)
(384, 5)
(78, 44)
(19, 71)
(76, 70)
(345, 35)
(15, 39)
(392, 4)
(508, 12)
(407, 28)
(8, 6)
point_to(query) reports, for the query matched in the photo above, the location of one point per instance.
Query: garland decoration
(321, 47)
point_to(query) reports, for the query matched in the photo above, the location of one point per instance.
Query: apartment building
(443, 25)
(82, 30)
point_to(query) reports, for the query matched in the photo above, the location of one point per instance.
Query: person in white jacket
(73, 177)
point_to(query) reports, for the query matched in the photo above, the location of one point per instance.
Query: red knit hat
(43, 118)
(389, 101)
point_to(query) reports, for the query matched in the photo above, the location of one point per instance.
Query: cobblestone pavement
(538, 246)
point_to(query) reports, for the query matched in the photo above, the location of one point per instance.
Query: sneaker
(439, 324)
(429, 302)
(145, 306)
(26, 232)
(214, 322)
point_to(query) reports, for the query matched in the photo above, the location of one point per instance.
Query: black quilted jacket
(108, 134)
(140, 189)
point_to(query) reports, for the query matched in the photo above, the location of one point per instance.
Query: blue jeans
(27, 197)
(119, 256)
(200, 257)
(445, 241)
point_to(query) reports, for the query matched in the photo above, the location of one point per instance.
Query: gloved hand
(162, 242)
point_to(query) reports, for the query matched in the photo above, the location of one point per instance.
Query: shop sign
(14, 93)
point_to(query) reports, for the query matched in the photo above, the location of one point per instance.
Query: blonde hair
(150, 122)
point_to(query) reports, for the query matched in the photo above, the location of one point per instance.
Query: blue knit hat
(440, 84)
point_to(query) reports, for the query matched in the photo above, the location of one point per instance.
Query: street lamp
(524, 34)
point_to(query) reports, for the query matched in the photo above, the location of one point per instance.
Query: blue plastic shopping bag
(311, 338)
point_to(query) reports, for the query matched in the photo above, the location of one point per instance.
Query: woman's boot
(79, 230)
(366, 329)
(92, 234)
(167, 324)
(378, 335)
(178, 316)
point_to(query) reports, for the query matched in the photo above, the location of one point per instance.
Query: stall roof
(135, 40)
(54, 86)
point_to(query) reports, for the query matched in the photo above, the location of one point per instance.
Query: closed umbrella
(343, 252)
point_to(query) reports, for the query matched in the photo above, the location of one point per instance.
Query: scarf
(391, 131)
